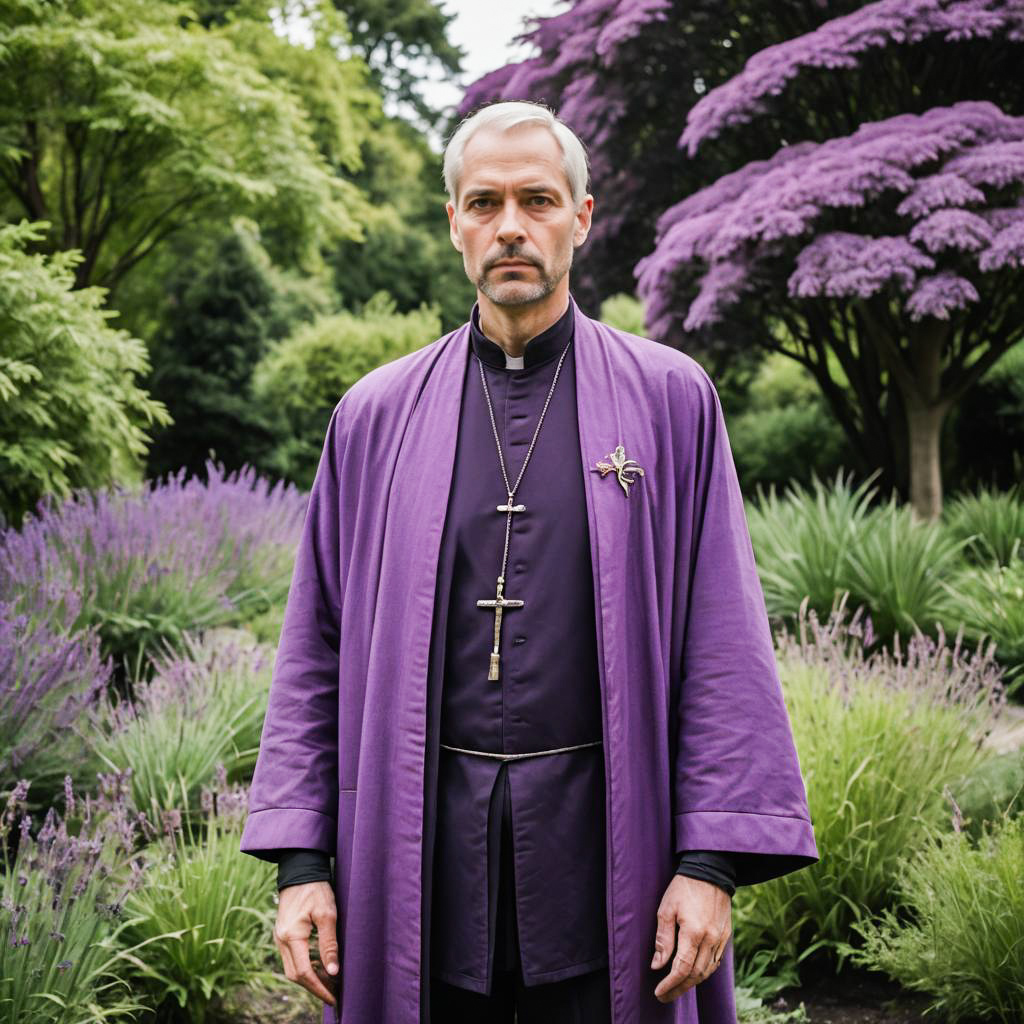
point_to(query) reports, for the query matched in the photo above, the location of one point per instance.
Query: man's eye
(541, 200)
(473, 202)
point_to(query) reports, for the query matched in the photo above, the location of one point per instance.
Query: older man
(525, 692)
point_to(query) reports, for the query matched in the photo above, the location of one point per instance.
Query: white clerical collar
(514, 362)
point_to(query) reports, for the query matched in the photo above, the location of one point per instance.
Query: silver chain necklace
(500, 602)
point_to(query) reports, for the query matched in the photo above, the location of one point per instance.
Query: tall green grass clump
(803, 540)
(990, 521)
(964, 941)
(878, 736)
(201, 708)
(61, 896)
(200, 925)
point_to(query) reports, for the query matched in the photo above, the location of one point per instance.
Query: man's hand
(703, 912)
(299, 908)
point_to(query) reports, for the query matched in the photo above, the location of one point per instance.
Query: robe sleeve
(294, 792)
(737, 784)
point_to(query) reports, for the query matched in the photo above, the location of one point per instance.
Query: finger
(664, 938)
(702, 966)
(682, 964)
(327, 937)
(304, 973)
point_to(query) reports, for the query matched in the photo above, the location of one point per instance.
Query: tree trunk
(924, 428)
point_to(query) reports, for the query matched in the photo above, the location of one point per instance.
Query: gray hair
(506, 115)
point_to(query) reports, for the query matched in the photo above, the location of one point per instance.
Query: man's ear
(453, 227)
(583, 220)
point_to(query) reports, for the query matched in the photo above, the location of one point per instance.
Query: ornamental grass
(956, 931)
(62, 893)
(202, 707)
(200, 925)
(878, 736)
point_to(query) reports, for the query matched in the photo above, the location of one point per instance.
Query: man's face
(513, 218)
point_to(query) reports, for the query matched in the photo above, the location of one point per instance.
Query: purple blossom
(938, 296)
(1006, 250)
(937, 190)
(845, 264)
(840, 44)
(733, 229)
(952, 229)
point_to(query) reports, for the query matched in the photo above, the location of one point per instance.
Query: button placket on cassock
(547, 694)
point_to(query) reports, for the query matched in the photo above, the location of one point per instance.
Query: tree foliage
(128, 121)
(303, 376)
(400, 40)
(875, 210)
(71, 412)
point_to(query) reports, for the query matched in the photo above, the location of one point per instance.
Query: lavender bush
(879, 735)
(205, 914)
(147, 566)
(202, 707)
(61, 898)
(48, 681)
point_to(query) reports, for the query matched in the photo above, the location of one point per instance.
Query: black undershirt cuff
(297, 866)
(717, 866)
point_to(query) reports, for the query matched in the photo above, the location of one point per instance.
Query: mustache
(513, 255)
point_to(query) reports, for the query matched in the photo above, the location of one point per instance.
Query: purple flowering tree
(623, 74)
(872, 230)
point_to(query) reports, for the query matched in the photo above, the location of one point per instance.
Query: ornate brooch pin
(622, 467)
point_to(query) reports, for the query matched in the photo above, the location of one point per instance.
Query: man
(525, 692)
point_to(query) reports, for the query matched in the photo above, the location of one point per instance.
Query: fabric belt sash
(516, 757)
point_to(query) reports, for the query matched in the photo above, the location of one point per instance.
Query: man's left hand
(703, 913)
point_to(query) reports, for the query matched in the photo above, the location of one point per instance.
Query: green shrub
(991, 522)
(803, 541)
(989, 603)
(626, 312)
(199, 709)
(964, 944)
(994, 791)
(58, 913)
(201, 923)
(898, 569)
(71, 412)
(306, 374)
(878, 737)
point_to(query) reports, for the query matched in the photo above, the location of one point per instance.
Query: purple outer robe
(698, 745)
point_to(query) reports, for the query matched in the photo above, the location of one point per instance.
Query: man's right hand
(301, 908)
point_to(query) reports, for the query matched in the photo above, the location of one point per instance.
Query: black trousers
(584, 999)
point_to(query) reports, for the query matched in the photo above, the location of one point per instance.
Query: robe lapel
(601, 429)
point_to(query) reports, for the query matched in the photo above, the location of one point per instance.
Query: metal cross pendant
(509, 507)
(498, 604)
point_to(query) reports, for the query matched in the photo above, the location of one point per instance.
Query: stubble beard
(522, 293)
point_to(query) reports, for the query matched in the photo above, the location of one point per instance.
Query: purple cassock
(697, 750)
(548, 694)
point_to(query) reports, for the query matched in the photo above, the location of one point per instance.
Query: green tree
(127, 121)
(401, 40)
(203, 359)
(71, 412)
(306, 374)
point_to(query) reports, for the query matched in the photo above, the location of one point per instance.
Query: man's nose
(510, 228)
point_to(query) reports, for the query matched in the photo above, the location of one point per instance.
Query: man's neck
(512, 327)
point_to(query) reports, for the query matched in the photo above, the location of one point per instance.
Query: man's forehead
(525, 156)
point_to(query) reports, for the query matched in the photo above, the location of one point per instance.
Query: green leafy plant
(878, 736)
(71, 411)
(58, 914)
(964, 942)
(200, 709)
(989, 602)
(206, 912)
(991, 522)
(898, 570)
(803, 539)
